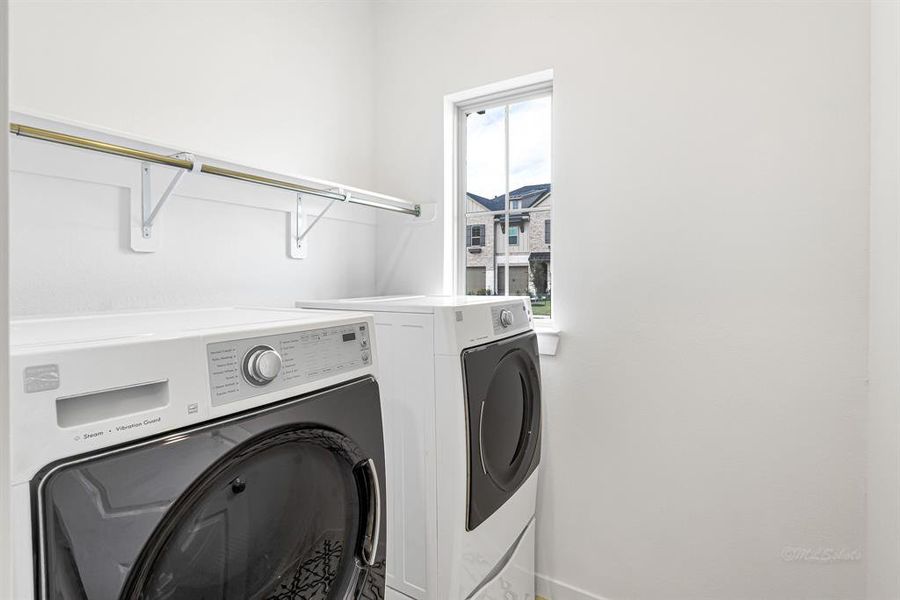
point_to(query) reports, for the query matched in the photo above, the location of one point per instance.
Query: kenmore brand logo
(41, 378)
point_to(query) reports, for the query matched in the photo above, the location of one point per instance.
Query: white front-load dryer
(461, 392)
(227, 454)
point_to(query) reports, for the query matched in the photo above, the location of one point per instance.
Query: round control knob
(261, 365)
(506, 318)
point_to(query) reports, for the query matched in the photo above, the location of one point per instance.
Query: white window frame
(455, 108)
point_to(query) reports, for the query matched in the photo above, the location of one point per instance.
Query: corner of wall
(883, 427)
(5, 517)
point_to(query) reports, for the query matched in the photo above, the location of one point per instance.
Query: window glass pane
(529, 182)
(519, 239)
(529, 146)
(485, 192)
(486, 157)
(518, 280)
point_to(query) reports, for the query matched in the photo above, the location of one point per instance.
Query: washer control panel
(509, 317)
(240, 369)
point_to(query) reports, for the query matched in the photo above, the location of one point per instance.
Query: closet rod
(181, 163)
(88, 144)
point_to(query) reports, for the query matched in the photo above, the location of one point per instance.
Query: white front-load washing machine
(461, 394)
(197, 454)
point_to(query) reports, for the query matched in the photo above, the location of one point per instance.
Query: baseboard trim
(548, 588)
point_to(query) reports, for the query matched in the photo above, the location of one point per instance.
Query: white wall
(715, 158)
(5, 538)
(285, 85)
(282, 86)
(707, 407)
(883, 547)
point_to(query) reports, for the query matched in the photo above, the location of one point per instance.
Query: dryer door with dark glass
(503, 402)
(278, 505)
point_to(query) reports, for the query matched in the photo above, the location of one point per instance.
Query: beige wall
(536, 228)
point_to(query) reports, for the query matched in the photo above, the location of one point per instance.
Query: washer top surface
(162, 324)
(411, 304)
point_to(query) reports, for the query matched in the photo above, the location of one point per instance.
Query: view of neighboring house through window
(508, 200)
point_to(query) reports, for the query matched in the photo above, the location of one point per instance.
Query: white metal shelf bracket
(298, 220)
(145, 209)
(149, 208)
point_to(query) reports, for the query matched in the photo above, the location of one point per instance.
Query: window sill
(548, 337)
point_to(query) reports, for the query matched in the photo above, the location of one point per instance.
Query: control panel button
(509, 316)
(261, 365)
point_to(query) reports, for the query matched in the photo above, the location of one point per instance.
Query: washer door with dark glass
(503, 402)
(280, 504)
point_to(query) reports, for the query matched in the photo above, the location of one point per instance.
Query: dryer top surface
(413, 304)
(162, 324)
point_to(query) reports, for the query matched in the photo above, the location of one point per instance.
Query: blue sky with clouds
(529, 147)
